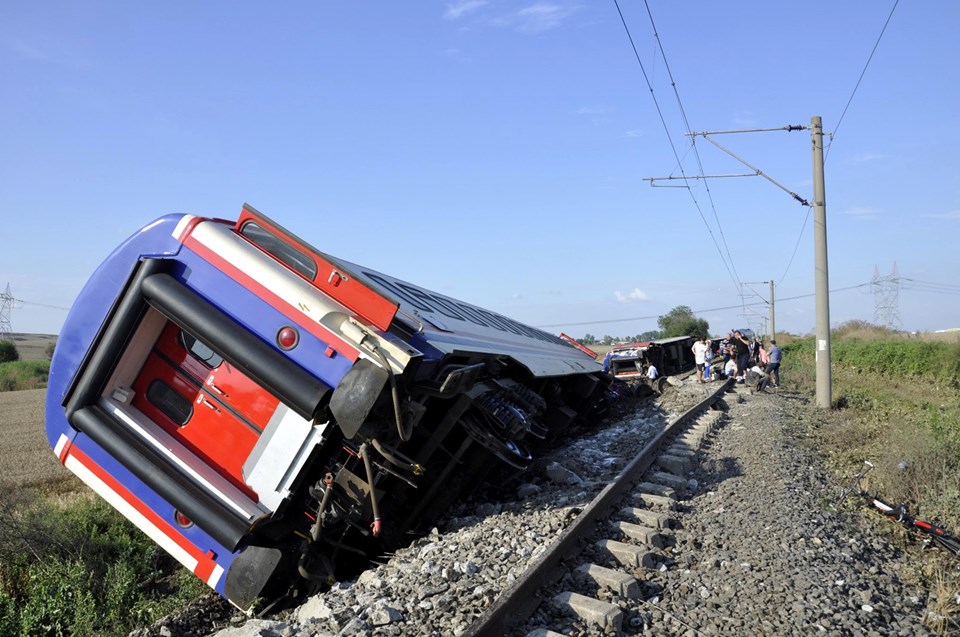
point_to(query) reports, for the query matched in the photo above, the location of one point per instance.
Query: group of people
(742, 357)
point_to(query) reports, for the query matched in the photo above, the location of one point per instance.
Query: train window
(200, 351)
(173, 405)
(294, 259)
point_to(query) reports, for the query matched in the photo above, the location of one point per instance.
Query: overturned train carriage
(263, 410)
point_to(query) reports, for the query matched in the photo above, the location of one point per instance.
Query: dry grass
(26, 459)
(33, 347)
(943, 614)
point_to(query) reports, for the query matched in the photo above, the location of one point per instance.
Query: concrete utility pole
(822, 289)
(773, 326)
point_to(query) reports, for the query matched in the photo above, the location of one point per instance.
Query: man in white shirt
(699, 357)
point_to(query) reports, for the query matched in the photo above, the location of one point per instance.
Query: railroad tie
(677, 465)
(693, 439)
(682, 450)
(649, 488)
(676, 483)
(603, 614)
(623, 584)
(655, 500)
(628, 554)
(543, 632)
(647, 517)
(647, 535)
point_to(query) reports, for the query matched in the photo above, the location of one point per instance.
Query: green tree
(589, 339)
(680, 321)
(8, 352)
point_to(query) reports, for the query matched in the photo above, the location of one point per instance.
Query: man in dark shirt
(773, 367)
(742, 347)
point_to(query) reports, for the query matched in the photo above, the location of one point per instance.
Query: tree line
(679, 321)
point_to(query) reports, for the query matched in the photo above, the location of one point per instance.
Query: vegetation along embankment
(896, 403)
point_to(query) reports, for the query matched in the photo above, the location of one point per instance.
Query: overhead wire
(693, 141)
(706, 309)
(673, 147)
(52, 307)
(837, 127)
(796, 246)
(926, 286)
(728, 259)
(860, 79)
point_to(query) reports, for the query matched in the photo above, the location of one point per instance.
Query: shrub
(59, 601)
(81, 569)
(19, 375)
(8, 352)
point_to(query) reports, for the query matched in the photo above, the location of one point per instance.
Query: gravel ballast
(763, 552)
(759, 550)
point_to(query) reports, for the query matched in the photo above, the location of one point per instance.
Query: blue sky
(497, 151)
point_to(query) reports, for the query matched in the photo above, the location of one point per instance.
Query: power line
(860, 79)
(673, 147)
(51, 307)
(7, 302)
(703, 310)
(693, 142)
(924, 286)
(797, 246)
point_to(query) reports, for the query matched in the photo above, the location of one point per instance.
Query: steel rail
(520, 600)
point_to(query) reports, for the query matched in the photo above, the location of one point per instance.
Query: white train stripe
(247, 513)
(215, 576)
(181, 225)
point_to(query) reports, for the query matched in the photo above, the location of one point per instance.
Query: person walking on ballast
(773, 367)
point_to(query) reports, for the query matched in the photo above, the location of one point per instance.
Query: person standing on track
(699, 357)
(708, 361)
(742, 349)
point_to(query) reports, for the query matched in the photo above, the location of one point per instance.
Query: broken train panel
(263, 410)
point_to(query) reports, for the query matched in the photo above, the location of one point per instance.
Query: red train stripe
(278, 303)
(204, 561)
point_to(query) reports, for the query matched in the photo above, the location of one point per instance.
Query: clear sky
(497, 151)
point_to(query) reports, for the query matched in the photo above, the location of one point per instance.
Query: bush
(8, 352)
(896, 357)
(20, 375)
(81, 569)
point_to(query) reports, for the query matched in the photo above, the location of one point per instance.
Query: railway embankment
(757, 547)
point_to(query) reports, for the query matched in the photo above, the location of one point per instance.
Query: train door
(201, 400)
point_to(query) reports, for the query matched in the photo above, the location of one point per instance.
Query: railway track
(472, 573)
(623, 531)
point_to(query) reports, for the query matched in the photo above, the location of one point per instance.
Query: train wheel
(509, 451)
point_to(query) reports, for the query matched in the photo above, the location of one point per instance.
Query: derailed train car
(262, 409)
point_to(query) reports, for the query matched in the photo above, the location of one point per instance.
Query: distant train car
(630, 361)
(262, 409)
(675, 354)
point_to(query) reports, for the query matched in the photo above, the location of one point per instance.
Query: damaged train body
(262, 409)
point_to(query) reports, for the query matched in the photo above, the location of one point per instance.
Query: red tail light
(287, 338)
